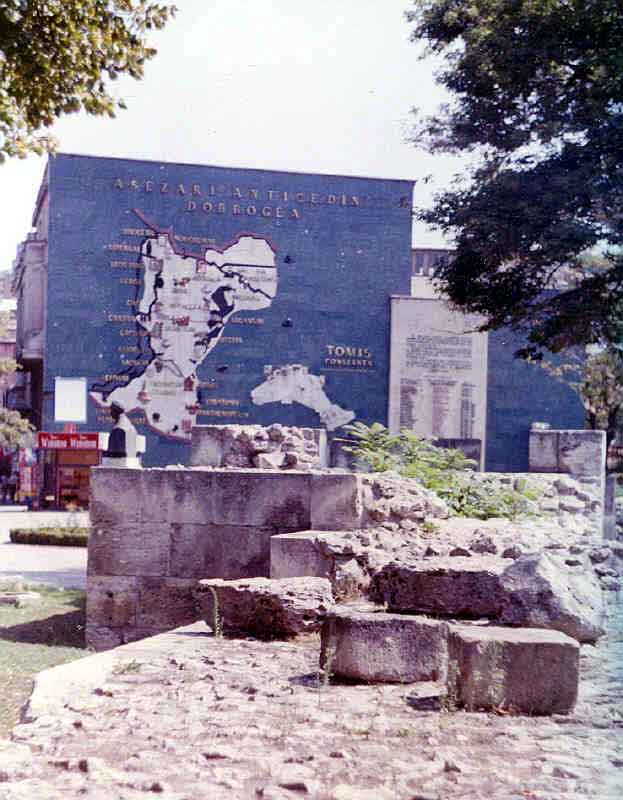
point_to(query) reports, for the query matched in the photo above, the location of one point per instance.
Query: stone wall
(156, 531)
(247, 446)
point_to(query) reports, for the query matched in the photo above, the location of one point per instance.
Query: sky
(324, 87)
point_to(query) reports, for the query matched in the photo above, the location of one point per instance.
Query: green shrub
(64, 537)
(442, 470)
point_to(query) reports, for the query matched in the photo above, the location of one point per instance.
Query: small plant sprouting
(217, 621)
(326, 668)
(127, 668)
(428, 526)
(444, 471)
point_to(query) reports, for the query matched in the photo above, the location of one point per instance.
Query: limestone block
(165, 603)
(266, 608)
(206, 446)
(114, 493)
(297, 555)
(452, 586)
(572, 505)
(111, 600)
(129, 549)
(322, 554)
(219, 551)
(543, 451)
(541, 591)
(274, 460)
(582, 452)
(101, 637)
(391, 648)
(524, 670)
(176, 495)
(336, 501)
(262, 499)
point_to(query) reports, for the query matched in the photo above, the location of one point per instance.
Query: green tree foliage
(536, 90)
(597, 378)
(14, 429)
(56, 57)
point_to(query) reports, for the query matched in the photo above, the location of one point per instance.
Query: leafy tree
(597, 378)
(55, 59)
(536, 91)
(14, 429)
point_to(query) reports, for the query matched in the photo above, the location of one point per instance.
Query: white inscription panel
(438, 371)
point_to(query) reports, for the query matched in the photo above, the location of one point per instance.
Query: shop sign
(68, 441)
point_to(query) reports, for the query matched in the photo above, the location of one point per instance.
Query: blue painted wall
(519, 394)
(342, 246)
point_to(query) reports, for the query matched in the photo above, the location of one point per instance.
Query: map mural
(200, 295)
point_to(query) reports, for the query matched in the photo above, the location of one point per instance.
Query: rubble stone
(540, 591)
(264, 607)
(458, 586)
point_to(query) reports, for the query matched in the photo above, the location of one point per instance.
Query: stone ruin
(254, 446)
(486, 614)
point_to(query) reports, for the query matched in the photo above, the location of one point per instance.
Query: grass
(65, 537)
(34, 638)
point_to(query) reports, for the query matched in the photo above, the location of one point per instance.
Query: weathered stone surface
(227, 718)
(457, 586)
(379, 647)
(274, 460)
(165, 603)
(512, 552)
(114, 494)
(111, 600)
(266, 608)
(177, 496)
(388, 497)
(346, 562)
(336, 502)
(582, 452)
(244, 446)
(526, 671)
(483, 543)
(128, 549)
(543, 451)
(262, 499)
(219, 551)
(541, 591)
(300, 554)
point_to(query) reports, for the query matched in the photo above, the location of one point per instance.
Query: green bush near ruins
(64, 537)
(442, 470)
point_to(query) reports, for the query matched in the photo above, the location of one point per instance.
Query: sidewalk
(56, 566)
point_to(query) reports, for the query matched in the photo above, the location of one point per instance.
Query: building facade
(195, 295)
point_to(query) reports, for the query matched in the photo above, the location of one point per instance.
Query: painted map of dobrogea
(185, 302)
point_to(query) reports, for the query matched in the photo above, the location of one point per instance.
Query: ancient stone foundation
(156, 531)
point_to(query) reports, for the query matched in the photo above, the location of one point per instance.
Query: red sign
(68, 441)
